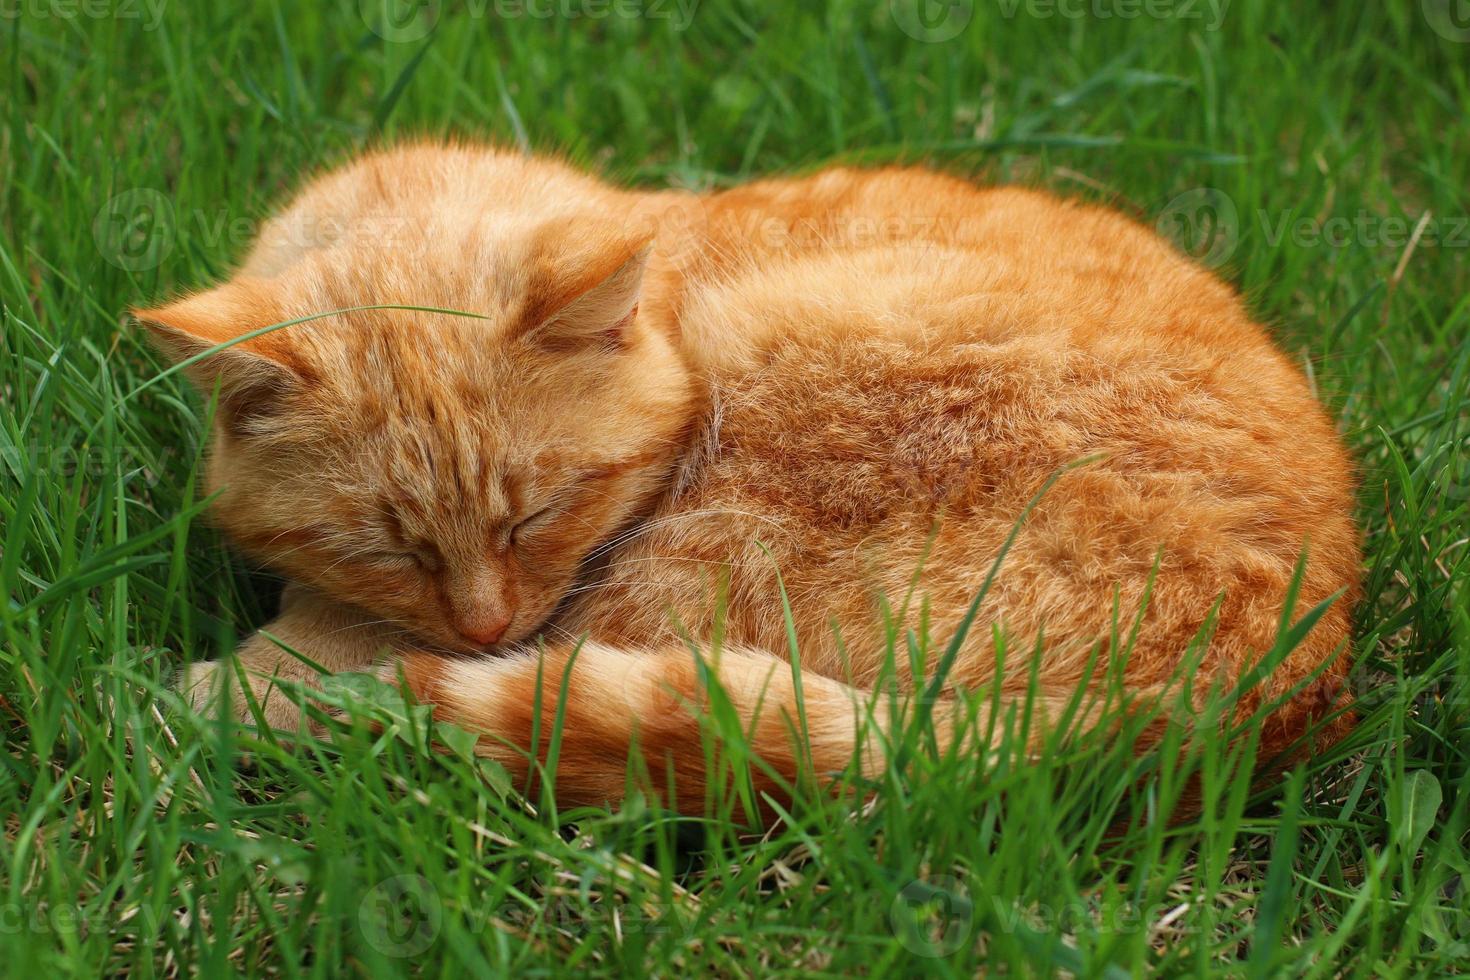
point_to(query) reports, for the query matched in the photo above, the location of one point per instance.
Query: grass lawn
(1318, 154)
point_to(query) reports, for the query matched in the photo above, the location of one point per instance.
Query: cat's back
(901, 342)
(899, 360)
(918, 254)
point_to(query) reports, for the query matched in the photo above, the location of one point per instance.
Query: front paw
(207, 685)
(200, 684)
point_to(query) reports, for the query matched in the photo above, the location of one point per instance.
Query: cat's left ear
(600, 308)
(253, 377)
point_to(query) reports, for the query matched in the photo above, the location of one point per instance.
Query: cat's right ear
(584, 288)
(253, 377)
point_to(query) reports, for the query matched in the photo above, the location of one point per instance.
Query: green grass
(140, 839)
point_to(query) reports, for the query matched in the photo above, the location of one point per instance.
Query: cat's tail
(579, 714)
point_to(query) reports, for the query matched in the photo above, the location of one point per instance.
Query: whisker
(359, 626)
(648, 526)
(656, 558)
(594, 586)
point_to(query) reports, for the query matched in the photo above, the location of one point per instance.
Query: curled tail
(586, 709)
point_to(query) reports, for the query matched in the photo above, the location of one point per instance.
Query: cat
(842, 388)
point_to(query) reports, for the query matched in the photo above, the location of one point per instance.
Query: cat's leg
(333, 635)
(659, 701)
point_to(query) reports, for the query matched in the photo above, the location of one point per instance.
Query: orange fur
(857, 379)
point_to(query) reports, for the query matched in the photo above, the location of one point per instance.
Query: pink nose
(484, 633)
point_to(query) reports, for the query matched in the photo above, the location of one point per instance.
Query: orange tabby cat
(857, 379)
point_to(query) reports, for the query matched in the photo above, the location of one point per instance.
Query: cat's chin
(458, 646)
(439, 642)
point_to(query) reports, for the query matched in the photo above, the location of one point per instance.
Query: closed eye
(531, 524)
(409, 559)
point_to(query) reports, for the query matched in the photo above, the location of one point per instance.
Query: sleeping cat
(855, 380)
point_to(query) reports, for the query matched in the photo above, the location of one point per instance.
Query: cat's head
(448, 473)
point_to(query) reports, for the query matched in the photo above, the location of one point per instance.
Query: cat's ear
(594, 306)
(253, 377)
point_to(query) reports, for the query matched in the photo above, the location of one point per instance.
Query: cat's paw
(208, 685)
(200, 684)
